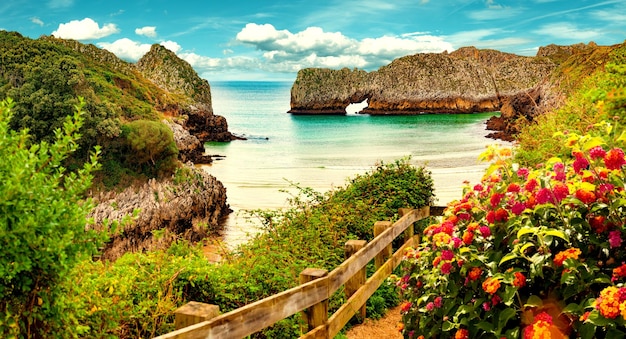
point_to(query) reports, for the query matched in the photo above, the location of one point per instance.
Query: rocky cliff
(169, 209)
(464, 81)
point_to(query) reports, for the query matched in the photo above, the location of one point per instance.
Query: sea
(282, 151)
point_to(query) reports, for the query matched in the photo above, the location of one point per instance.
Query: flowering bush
(528, 252)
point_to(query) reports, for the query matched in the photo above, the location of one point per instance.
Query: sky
(273, 39)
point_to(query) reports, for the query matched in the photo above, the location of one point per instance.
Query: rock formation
(168, 71)
(168, 210)
(464, 81)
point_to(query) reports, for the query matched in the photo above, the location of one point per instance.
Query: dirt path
(383, 328)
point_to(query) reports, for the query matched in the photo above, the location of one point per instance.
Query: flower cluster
(521, 237)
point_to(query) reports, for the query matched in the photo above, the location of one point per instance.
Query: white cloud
(36, 21)
(126, 49)
(172, 46)
(313, 47)
(568, 32)
(149, 31)
(85, 29)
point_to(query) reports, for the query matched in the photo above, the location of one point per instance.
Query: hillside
(46, 76)
(148, 118)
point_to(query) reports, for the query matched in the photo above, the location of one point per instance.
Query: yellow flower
(441, 239)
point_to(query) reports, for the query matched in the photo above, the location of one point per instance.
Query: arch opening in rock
(356, 107)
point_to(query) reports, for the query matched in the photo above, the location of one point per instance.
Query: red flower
(587, 197)
(614, 159)
(597, 223)
(495, 199)
(491, 217)
(474, 273)
(619, 272)
(513, 188)
(560, 191)
(520, 280)
(502, 215)
(446, 268)
(531, 185)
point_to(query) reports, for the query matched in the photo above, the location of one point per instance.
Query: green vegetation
(45, 76)
(42, 225)
(136, 295)
(595, 94)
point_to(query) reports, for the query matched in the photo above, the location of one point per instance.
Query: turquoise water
(323, 151)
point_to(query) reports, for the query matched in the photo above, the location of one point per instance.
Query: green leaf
(485, 326)
(447, 326)
(504, 317)
(593, 142)
(508, 257)
(598, 320)
(557, 233)
(533, 301)
(526, 230)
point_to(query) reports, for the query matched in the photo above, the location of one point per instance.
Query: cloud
(85, 29)
(126, 49)
(36, 21)
(149, 31)
(130, 50)
(568, 32)
(172, 46)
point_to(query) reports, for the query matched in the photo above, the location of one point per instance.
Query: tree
(43, 212)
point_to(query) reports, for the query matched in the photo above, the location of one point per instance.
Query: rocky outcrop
(170, 209)
(464, 81)
(168, 71)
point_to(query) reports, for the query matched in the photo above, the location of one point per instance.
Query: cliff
(168, 210)
(464, 81)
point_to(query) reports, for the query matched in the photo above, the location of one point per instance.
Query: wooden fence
(316, 287)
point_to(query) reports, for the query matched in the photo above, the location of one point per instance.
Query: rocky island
(466, 80)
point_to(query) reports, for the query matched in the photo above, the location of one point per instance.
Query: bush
(526, 251)
(42, 225)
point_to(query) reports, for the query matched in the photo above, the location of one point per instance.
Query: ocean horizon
(323, 152)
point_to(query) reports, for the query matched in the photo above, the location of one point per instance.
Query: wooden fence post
(317, 314)
(380, 227)
(410, 231)
(354, 283)
(194, 312)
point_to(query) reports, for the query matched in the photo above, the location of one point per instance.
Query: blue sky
(273, 39)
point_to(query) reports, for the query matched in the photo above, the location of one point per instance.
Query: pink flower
(478, 187)
(447, 255)
(614, 159)
(485, 231)
(580, 163)
(518, 208)
(446, 268)
(486, 306)
(457, 242)
(597, 152)
(523, 172)
(615, 239)
(544, 196)
(430, 306)
(438, 302)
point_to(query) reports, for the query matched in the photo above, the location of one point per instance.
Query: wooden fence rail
(317, 285)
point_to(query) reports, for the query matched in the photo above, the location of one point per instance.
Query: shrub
(42, 224)
(526, 251)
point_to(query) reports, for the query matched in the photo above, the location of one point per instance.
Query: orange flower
(474, 273)
(608, 302)
(570, 253)
(520, 280)
(461, 333)
(400, 327)
(491, 285)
